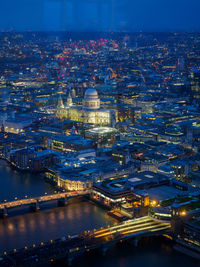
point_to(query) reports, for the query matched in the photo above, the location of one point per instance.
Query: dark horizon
(100, 15)
(103, 32)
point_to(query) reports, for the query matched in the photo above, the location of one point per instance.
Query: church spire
(60, 102)
(69, 100)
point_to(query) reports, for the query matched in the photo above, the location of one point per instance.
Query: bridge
(34, 202)
(70, 247)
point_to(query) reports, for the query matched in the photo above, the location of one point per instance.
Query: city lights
(99, 133)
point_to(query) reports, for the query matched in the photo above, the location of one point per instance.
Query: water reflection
(18, 184)
(32, 228)
(50, 224)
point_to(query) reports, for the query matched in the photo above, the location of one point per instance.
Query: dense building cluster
(117, 115)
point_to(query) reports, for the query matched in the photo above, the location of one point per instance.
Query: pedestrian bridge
(69, 247)
(34, 202)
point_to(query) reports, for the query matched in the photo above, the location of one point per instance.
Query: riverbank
(18, 168)
(51, 223)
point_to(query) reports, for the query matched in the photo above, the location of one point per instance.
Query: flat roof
(101, 130)
(164, 192)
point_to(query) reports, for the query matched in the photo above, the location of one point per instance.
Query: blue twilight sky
(82, 15)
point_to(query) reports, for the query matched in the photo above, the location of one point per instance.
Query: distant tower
(60, 102)
(69, 100)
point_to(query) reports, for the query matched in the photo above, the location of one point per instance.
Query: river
(26, 229)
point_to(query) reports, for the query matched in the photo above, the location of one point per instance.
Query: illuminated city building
(16, 125)
(90, 112)
(103, 136)
(143, 189)
(69, 143)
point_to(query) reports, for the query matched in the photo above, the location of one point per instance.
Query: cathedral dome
(91, 99)
(91, 93)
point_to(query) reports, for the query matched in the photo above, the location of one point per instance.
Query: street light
(183, 213)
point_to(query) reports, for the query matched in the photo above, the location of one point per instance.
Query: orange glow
(183, 213)
(153, 203)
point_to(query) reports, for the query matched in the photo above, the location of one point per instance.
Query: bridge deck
(146, 224)
(72, 246)
(40, 199)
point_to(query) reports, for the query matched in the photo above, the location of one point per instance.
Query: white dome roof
(91, 99)
(91, 93)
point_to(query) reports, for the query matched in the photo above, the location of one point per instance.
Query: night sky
(86, 15)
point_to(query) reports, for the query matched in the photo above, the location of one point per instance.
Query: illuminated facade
(15, 125)
(74, 185)
(90, 112)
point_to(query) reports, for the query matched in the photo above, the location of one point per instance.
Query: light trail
(110, 231)
(133, 222)
(142, 229)
(132, 228)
